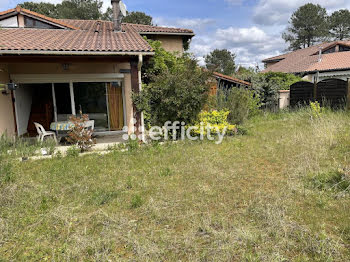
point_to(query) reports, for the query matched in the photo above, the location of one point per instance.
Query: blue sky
(250, 28)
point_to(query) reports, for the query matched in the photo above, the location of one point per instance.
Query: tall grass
(263, 196)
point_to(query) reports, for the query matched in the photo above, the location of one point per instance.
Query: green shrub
(217, 120)
(241, 103)
(177, 88)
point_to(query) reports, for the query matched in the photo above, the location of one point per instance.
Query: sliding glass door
(62, 101)
(102, 102)
(91, 99)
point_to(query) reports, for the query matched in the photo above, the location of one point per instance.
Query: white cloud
(251, 45)
(196, 24)
(278, 12)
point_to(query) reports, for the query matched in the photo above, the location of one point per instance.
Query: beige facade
(7, 118)
(171, 43)
(284, 99)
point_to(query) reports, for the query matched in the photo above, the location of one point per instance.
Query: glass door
(62, 101)
(91, 99)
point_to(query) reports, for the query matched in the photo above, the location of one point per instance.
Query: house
(227, 82)
(316, 63)
(62, 67)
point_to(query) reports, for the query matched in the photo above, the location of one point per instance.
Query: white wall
(284, 99)
(23, 105)
(9, 22)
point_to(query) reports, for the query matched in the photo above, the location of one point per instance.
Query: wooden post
(348, 97)
(315, 86)
(135, 86)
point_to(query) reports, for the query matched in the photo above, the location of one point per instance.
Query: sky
(251, 29)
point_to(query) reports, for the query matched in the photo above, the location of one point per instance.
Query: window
(33, 23)
(343, 48)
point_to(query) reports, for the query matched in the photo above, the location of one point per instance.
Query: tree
(307, 26)
(138, 18)
(46, 9)
(68, 9)
(222, 61)
(339, 23)
(177, 88)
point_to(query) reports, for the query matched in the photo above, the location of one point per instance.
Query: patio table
(62, 126)
(67, 125)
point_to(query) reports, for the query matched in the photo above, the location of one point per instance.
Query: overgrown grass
(278, 193)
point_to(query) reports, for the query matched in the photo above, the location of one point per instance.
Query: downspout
(139, 67)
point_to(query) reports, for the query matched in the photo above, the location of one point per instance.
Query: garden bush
(80, 135)
(217, 120)
(176, 88)
(241, 104)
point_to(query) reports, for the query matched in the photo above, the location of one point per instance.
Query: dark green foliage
(222, 61)
(307, 26)
(138, 18)
(177, 88)
(46, 9)
(267, 85)
(241, 103)
(69, 9)
(339, 23)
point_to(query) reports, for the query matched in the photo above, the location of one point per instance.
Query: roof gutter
(92, 53)
(164, 33)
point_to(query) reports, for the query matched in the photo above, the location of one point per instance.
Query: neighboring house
(63, 66)
(316, 63)
(324, 67)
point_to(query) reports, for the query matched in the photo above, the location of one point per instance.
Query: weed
(136, 201)
(334, 180)
(132, 145)
(101, 197)
(166, 172)
(6, 172)
(73, 151)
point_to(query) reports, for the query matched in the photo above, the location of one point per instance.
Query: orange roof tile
(307, 60)
(89, 24)
(231, 79)
(77, 36)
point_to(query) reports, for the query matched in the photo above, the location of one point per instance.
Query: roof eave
(92, 53)
(165, 33)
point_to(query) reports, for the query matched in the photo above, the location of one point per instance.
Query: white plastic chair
(42, 133)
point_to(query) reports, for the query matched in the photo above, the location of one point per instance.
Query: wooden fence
(330, 92)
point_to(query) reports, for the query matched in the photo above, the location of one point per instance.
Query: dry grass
(248, 199)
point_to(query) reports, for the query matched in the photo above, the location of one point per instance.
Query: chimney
(117, 18)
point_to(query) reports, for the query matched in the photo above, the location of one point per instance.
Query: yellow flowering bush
(215, 121)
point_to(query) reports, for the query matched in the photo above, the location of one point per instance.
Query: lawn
(279, 193)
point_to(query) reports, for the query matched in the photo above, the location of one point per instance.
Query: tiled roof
(307, 60)
(20, 10)
(231, 79)
(89, 24)
(102, 40)
(97, 38)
